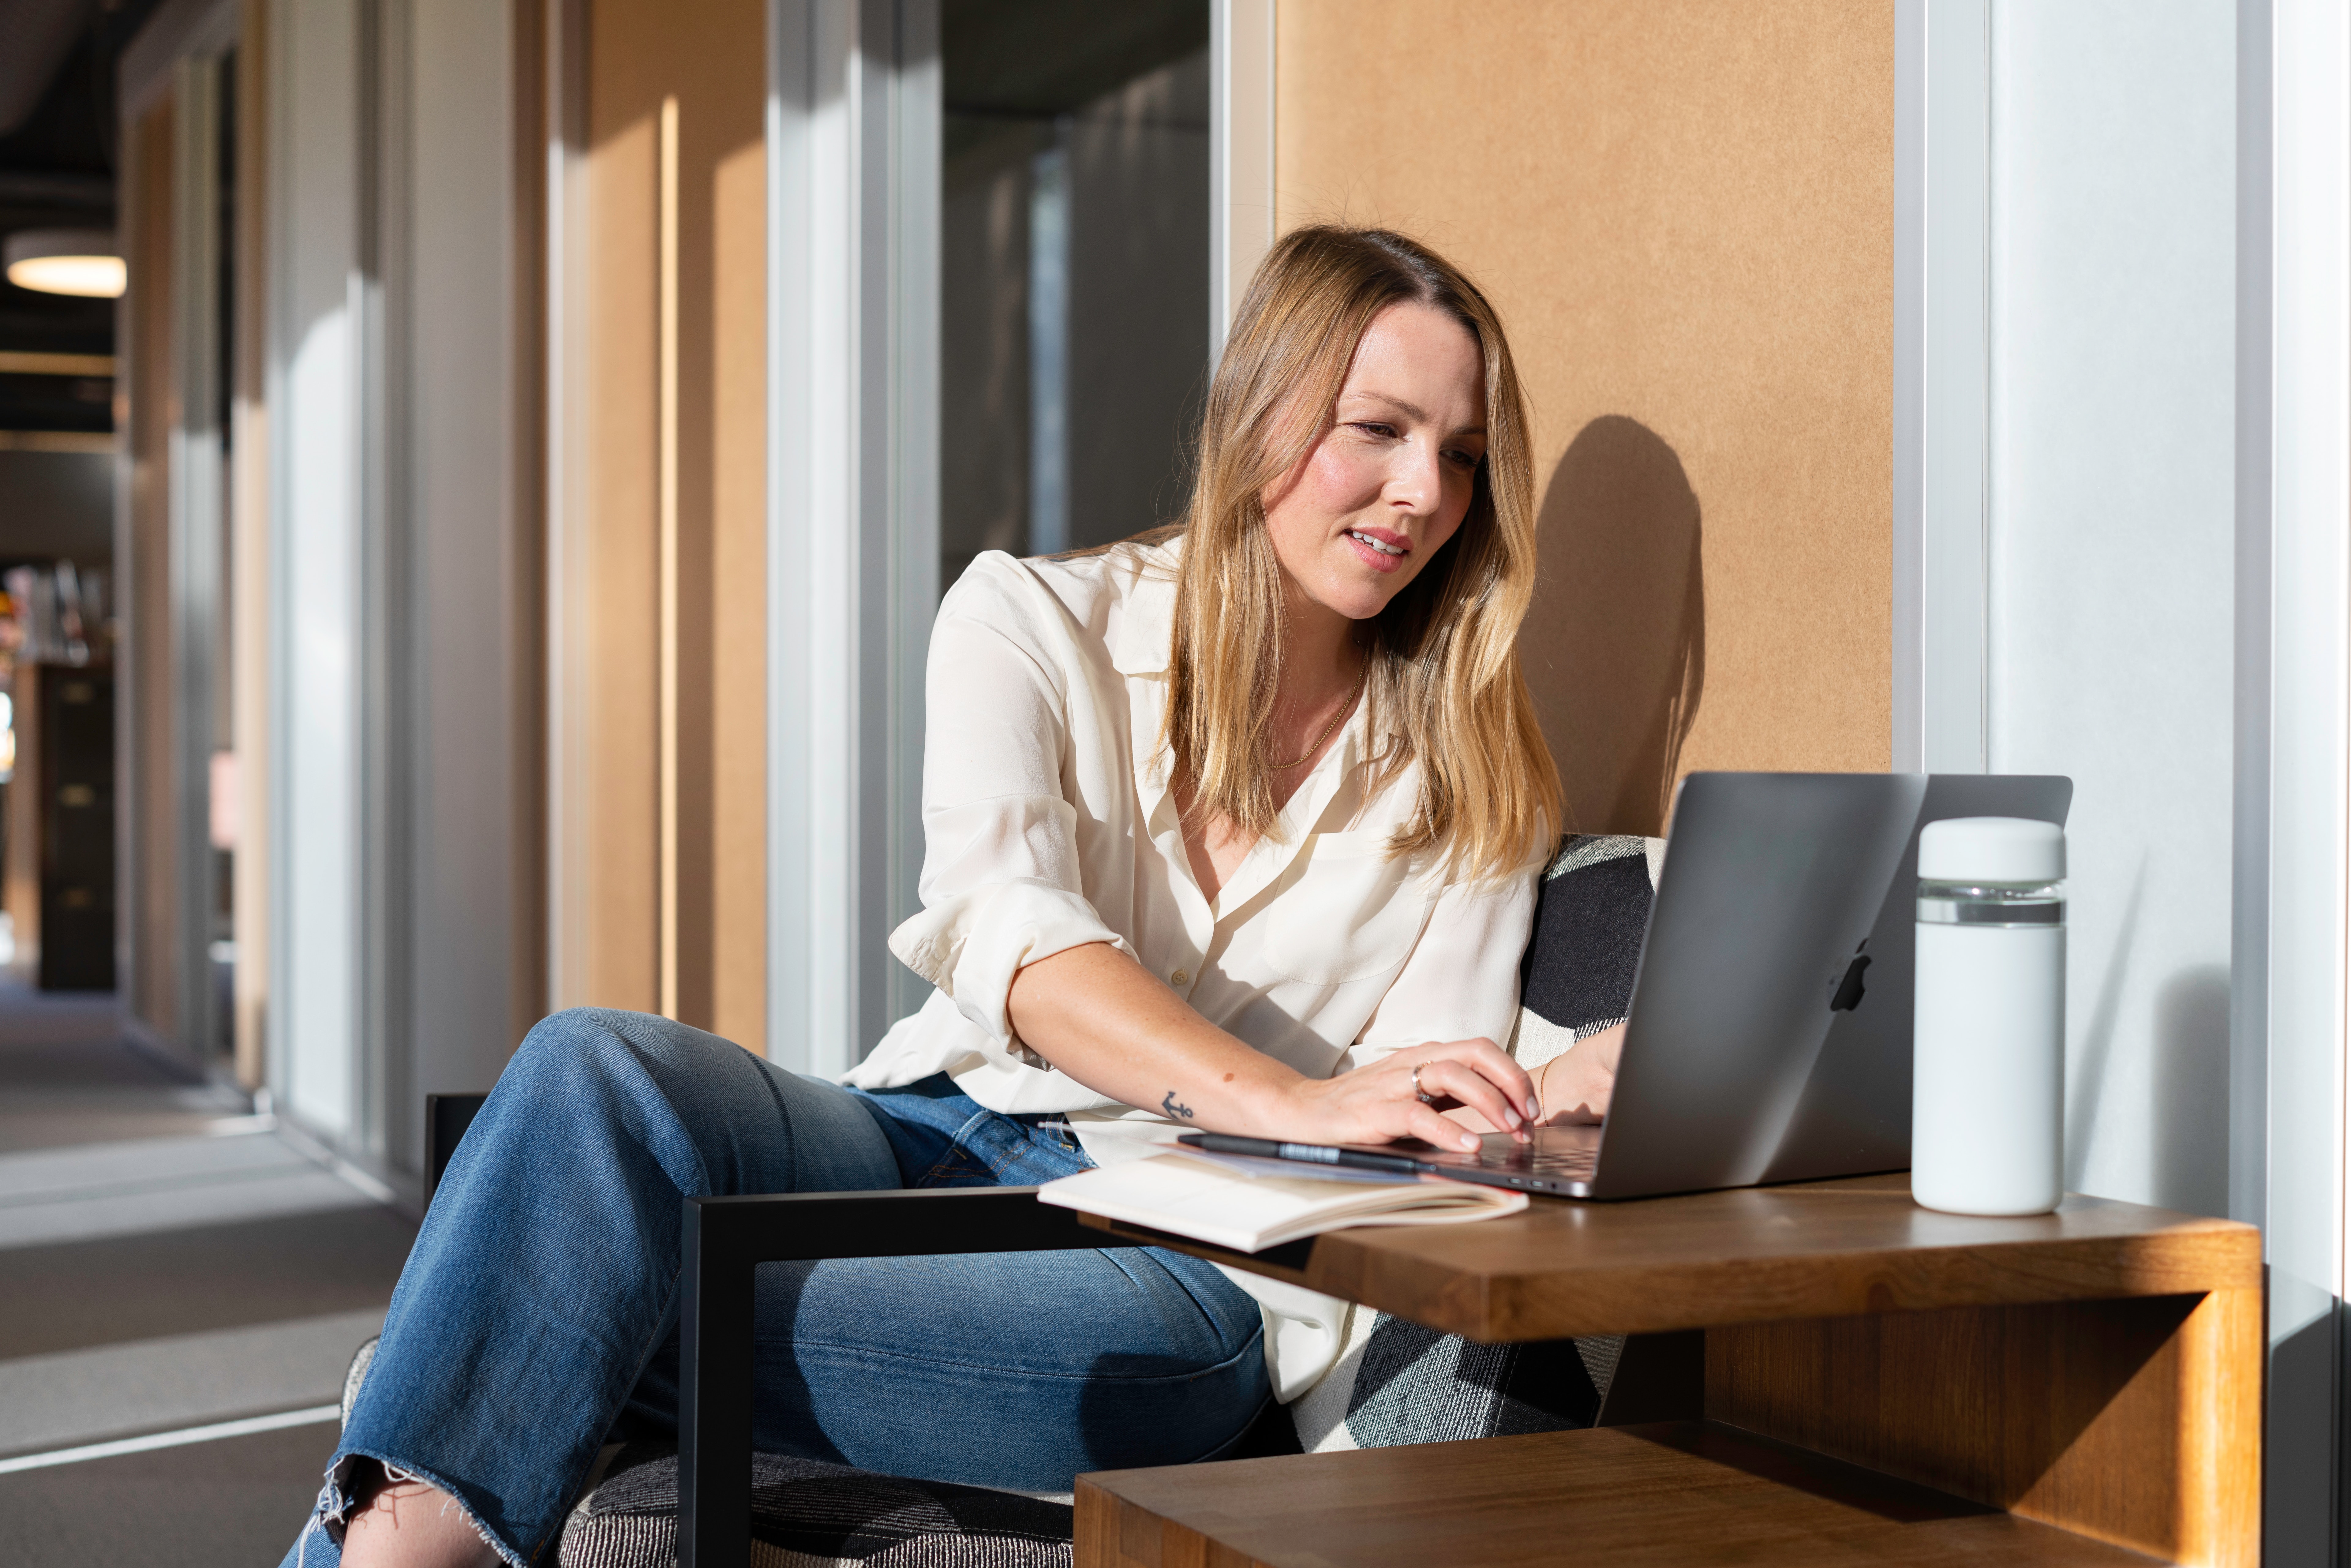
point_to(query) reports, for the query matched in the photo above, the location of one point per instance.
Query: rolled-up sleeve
(1462, 981)
(1001, 884)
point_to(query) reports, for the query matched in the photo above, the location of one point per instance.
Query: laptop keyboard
(1500, 1155)
(1553, 1158)
(1566, 1162)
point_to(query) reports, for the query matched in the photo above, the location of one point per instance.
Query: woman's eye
(1462, 459)
(1384, 432)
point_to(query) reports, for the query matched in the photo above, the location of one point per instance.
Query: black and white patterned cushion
(1576, 976)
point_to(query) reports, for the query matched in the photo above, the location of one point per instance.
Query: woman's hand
(1379, 1102)
(1574, 1086)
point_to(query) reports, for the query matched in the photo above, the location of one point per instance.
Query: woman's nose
(1417, 480)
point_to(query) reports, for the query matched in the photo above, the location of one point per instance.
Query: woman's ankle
(408, 1523)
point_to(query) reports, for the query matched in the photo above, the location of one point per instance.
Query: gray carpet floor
(167, 1261)
(69, 1076)
(208, 1505)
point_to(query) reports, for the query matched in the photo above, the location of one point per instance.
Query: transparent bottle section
(1991, 903)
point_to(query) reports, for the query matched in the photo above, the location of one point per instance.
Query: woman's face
(1388, 481)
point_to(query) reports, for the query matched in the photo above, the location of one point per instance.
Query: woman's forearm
(1098, 1017)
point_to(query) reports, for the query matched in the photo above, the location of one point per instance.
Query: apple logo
(1849, 993)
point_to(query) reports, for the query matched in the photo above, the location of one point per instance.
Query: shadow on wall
(1615, 647)
(2087, 1057)
(2190, 1149)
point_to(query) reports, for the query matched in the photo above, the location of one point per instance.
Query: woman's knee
(580, 1044)
(715, 1115)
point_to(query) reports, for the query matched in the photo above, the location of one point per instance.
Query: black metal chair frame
(725, 1240)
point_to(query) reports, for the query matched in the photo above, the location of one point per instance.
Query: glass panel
(1074, 271)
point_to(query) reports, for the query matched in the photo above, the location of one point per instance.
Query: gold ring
(1425, 1097)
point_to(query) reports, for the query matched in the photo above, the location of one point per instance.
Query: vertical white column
(1240, 153)
(852, 126)
(315, 354)
(2249, 852)
(2306, 450)
(811, 541)
(1941, 436)
(914, 527)
(473, 556)
(396, 564)
(792, 399)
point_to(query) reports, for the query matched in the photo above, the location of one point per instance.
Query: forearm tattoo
(1173, 1108)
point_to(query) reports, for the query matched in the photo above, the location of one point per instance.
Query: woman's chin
(1354, 606)
(1356, 594)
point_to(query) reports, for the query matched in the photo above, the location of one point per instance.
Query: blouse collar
(1146, 628)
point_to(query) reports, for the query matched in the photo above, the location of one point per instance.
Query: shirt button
(1180, 978)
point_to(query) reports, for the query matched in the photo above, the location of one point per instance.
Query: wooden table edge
(1671, 1296)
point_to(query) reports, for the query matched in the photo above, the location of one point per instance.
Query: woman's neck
(1321, 656)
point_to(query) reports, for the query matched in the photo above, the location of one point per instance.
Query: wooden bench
(1819, 1374)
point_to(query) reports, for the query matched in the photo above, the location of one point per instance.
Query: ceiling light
(65, 261)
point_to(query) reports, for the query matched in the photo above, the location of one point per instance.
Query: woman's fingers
(1377, 1103)
(1424, 1121)
(1464, 1083)
(1503, 1069)
(1494, 1065)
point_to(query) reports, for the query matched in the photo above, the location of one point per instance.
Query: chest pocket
(1350, 910)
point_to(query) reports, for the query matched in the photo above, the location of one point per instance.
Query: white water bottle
(1988, 1096)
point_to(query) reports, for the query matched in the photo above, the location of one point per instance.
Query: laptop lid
(1854, 1116)
(1771, 883)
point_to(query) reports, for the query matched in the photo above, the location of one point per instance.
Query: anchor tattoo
(1173, 1109)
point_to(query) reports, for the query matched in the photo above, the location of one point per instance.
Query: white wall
(404, 572)
(2109, 651)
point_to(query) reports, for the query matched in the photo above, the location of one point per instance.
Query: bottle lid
(1992, 849)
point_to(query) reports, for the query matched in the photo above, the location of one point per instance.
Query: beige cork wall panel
(1683, 211)
(629, 842)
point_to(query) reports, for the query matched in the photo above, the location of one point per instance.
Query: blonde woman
(1230, 827)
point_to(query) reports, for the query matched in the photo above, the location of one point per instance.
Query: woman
(1229, 827)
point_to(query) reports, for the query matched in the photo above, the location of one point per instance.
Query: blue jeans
(540, 1302)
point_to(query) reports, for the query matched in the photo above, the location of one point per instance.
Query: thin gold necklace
(1362, 680)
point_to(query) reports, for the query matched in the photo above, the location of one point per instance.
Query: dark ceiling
(58, 171)
(1038, 58)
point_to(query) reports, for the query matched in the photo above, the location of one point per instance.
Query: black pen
(1313, 1153)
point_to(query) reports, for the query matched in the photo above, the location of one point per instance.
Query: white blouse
(1049, 822)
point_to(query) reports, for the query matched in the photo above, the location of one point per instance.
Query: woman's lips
(1376, 558)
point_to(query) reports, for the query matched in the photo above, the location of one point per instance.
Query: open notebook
(1251, 1205)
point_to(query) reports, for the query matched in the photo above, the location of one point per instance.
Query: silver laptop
(1769, 1035)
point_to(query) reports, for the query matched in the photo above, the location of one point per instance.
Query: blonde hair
(1443, 665)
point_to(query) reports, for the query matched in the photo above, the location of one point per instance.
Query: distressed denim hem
(335, 1502)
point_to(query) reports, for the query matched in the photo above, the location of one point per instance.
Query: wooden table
(1817, 1373)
